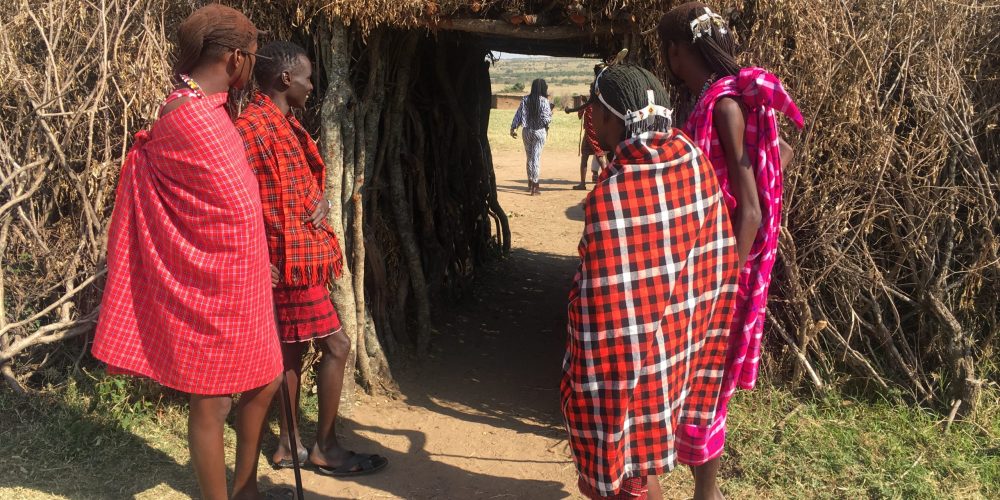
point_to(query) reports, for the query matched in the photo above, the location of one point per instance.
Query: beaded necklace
(704, 88)
(193, 85)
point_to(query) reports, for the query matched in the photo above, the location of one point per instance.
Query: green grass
(93, 438)
(833, 447)
(564, 132)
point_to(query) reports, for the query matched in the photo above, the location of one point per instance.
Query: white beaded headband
(703, 24)
(629, 117)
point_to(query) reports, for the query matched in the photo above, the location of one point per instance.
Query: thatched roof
(525, 15)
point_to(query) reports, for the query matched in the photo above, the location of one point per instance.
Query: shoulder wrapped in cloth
(188, 296)
(763, 95)
(649, 310)
(291, 174)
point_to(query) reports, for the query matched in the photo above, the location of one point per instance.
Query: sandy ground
(480, 418)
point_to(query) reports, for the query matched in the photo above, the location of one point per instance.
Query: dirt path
(481, 419)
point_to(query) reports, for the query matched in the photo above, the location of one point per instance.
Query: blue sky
(509, 55)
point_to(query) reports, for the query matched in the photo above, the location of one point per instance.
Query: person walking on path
(533, 114)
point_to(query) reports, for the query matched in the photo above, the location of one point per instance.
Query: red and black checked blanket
(188, 297)
(649, 310)
(291, 176)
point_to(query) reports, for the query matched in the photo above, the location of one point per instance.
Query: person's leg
(206, 421)
(330, 380)
(251, 413)
(584, 156)
(539, 146)
(654, 492)
(292, 353)
(528, 153)
(706, 486)
(602, 163)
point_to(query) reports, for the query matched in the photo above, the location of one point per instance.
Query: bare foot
(283, 455)
(331, 458)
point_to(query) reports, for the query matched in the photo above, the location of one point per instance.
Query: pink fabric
(761, 94)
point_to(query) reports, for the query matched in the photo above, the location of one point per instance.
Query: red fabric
(633, 488)
(291, 175)
(649, 310)
(188, 296)
(762, 95)
(589, 134)
(305, 313)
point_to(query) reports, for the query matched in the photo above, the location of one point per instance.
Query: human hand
(513, 133)
(275, 275)
(319, 215)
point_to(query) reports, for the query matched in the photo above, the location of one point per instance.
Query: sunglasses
(247, 52)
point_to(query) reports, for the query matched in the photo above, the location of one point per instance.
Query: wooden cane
(290, 420)
(293, 442)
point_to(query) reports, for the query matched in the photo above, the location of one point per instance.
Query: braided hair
(716, 46)
(539, 91)
(276, 58)
(209, 32)
(624, 88)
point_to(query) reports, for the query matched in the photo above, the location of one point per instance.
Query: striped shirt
(521, 118)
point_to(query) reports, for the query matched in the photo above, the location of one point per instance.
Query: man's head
(629, 100)
(285, 68)
(217, 35)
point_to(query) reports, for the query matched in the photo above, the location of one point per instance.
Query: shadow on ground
(497, 356)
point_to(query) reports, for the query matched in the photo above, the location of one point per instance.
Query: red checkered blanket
(291, 175)
(188, 297)
(649, 310)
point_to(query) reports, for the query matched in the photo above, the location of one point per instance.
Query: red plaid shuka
(188, 296)
(589, 134)
(305, 313)
(649, 310)
(291, 174)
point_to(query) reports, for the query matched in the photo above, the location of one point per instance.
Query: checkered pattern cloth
(633, 488)
(305, 313)
(648, 311)
(761, 93)
(291, 175)
(188, 295)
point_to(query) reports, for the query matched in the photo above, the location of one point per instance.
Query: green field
(565, 77)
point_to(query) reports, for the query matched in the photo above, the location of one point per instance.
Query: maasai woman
(653, 296)
(304, 251)
(188, 297)
(534, 114)
(734, 122)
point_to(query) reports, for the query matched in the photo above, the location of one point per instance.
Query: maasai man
(651, 301)
(589, 145)
(304, 251)
(734, 121)
(188, 297)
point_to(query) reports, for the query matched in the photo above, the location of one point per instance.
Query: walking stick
(293, 442)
